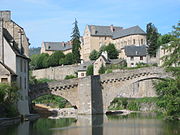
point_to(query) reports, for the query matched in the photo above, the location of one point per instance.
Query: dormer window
(113, 29)
(96, 32)
(49, 47)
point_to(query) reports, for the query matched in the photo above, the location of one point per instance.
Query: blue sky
(51, 20)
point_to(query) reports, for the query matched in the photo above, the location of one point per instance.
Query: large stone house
(14, 52)
(96, 36)
(50, 47)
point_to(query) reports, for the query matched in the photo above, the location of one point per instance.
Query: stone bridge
(93, 94)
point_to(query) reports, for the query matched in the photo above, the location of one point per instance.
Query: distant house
(135, 54)
(83, 68)
(50, 47)
(14, 58)
(96, 36)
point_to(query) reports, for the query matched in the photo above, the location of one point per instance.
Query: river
(132, 124)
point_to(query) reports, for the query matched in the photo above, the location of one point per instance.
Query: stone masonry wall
(55, 73)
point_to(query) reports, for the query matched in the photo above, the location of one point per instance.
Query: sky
(52, 20)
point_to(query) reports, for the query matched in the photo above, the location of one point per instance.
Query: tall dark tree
(152, 38)
(76, 43)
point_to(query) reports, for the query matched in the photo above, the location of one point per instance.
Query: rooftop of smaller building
(57, 46)
(133, 50)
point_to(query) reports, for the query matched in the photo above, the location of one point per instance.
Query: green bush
(94, 55)
(70, 77)
(90, 70)
(102, 69)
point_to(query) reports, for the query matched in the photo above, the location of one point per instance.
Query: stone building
(96, 36)
(135, 55)
(50, 47)
(14, 61)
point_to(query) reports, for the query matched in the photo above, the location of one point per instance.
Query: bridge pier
(90, 96)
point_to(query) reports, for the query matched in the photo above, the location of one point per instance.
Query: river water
(133, 124)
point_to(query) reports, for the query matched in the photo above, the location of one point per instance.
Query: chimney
(20, 41)
(112, 28)
(5, 15)
(105, 54)
(1, 42)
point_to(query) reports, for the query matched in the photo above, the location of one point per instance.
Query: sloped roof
(84, 66)
(57, 46)
(102, 30)
(6, 67)
(129, 31)
(14, 47)
(133, 50)
(117, 32)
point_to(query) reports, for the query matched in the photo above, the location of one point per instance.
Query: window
(132, 58)
(21, 65)
(20, 82)
(24, 66)
(105, 38)
(141, 57)
(24, 83)
(142, 42)
(82, 74)
(96, 32)
(4, 80)
(134, 41)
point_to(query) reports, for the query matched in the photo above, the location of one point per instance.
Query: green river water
(133, 124)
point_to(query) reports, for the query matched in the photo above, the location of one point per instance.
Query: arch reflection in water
(134, 124)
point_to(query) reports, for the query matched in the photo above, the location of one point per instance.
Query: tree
(76, 43)
(93, 55)
(165, 39)
(152, 37)
(90, 70)
(40, 59)
(112, 51)
(169, 89)
(102, 69)
(55, 57)
(173, 59)
(69, 59)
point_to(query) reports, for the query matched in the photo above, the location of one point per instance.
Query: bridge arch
(118, 86)
(64, 89)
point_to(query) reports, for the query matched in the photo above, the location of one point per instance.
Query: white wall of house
(22, 81)
(133, 60)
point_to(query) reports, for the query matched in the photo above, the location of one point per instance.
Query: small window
(134, 41)
(132, 58)
(82, 74)
(4, 80)
(105, 38)
(20, 82)
(21, 65)
(132, 64)
(141, 57)
(96, 32)
(142, 42)
(24, 66)
(49, 47)
(25, 83)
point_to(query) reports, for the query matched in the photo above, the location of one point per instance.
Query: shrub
(90, 70)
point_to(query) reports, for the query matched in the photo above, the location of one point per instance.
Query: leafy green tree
(90, 70)
(69, 59)
(112, 51)
(169, 89)
(152, 37)
(55, 57)
(76, 43)
(165, 39)
(102, 69)
(173, 59)
(93, 55)
(40, 59)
